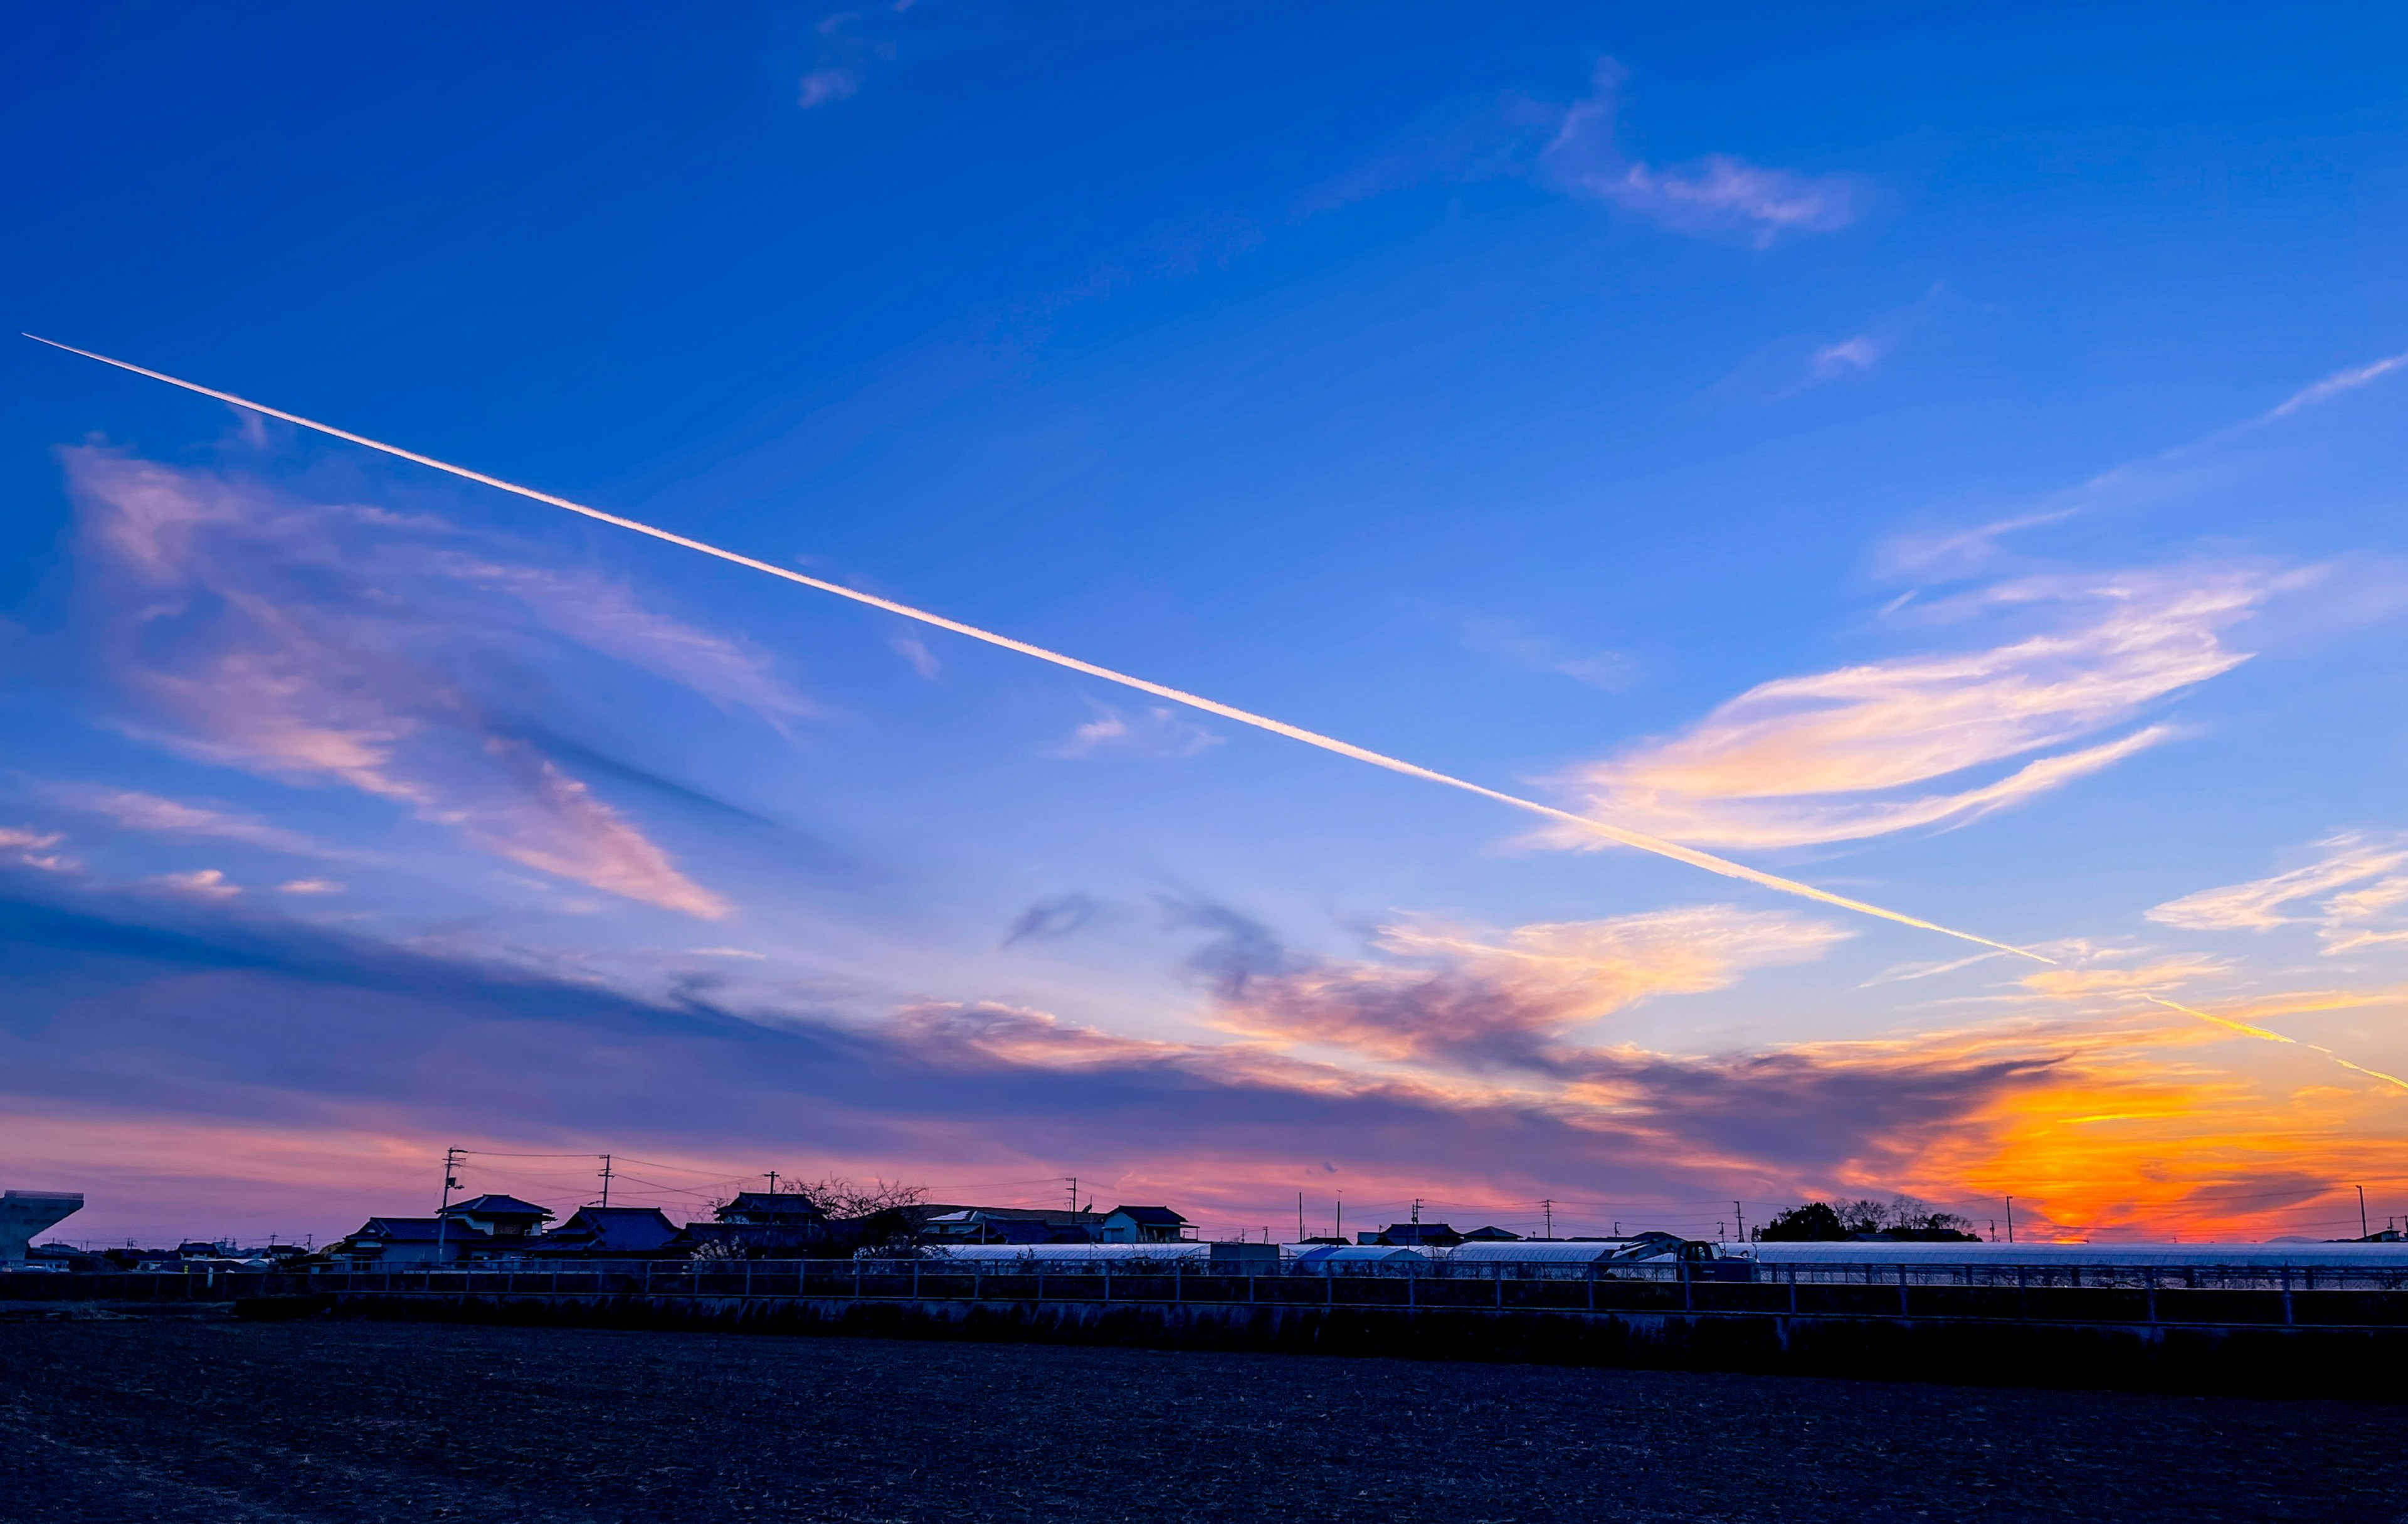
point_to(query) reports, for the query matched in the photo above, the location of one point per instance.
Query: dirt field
(363, 1423)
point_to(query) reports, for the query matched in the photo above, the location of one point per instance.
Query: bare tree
(853, 1200)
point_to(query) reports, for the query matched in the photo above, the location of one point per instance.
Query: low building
(1414, 1235)
(786, 1209)
(498, 1217)
(1141, 1225)
(763, 1225)
(412, 1240)
(606, 1232)
(1011, 1225)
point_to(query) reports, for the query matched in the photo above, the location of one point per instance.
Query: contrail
(1640, 840)
(2247, 1030)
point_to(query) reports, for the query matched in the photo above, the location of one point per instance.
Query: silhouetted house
(1011, 1225)
(500, 1217)
(1141, 1225)
(606, 1232)
(412, 1240)
(1491, 1236)
(1414, 1235)
(771, 1209)
(760, 1225)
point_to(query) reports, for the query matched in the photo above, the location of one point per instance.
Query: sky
(1951, 464)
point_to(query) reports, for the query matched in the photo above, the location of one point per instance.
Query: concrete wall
(26, 1212)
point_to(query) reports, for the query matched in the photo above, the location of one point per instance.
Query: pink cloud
(1822, 758)
(345, 645)
(1716, 194)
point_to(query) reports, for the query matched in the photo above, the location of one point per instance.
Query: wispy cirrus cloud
(336, 645)
(2165, 474)
(1516, 644)
(2336, 384)
(148, 813)
(31, 849)
(2375, 913)
(1575, 150)
(1850, 356)
(1154, 731)
(201, 884)
(1718, 193)
(1830, 756)
(849, 45)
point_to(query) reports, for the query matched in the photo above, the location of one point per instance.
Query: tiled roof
(1150, 1217)
(495, 1206)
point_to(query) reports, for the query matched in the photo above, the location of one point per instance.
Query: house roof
(1150, 1217)
(1419, 1232)
(418, 1230)
(492, 1205)
(631, 1230)
(763, 1203)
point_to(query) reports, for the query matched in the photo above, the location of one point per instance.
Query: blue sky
(1952, 465)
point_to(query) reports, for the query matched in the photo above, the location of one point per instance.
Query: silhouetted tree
(1812, 1223)
(1902, 1218)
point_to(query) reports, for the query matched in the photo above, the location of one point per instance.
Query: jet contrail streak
(1640, 840)
(2247, 1030)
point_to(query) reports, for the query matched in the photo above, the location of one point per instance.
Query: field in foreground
(363, 1423)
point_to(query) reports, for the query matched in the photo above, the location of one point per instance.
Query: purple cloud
(339, 644)
(1714, 194)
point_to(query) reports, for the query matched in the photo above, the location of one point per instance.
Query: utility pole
(1341, 1217)
(606, 1179)
(1741, 1218)
(1417, 1210)
(773, 1182)
(1072, 1181)
(452, 1158)
(1300, 1216)
(2011, 1219)
(2363, 1230)
(1548, 1206)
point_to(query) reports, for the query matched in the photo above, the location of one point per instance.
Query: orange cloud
(1809, 759)
(1486, 997)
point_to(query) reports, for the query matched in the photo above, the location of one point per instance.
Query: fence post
(915, 1280)
(1591, 1288)
(2287, 1296)
(1793, 1290)
(1688, 1294)
(1178, 1281)
(856, 1280)
(1901, 1292)
(1499, 1271)
(2149, 1280)
(1107, 1282)
(1413, 1282)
